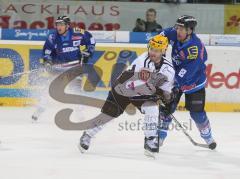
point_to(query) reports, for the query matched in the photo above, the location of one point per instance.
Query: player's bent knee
(112, 109)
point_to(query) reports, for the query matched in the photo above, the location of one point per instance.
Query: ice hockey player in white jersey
(149, 78)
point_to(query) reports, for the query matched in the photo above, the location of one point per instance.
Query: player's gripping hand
(170, 106)
(157, 79)
(46, 65)
(85, 56)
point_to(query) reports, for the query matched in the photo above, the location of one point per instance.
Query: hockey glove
(170, 106)
(157, 79)
(47, 65)
(85, 56)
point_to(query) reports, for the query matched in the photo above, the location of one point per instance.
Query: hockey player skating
(188, 57)
(61, 51)
(150, 76)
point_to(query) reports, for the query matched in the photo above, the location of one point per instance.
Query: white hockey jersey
(134, 86)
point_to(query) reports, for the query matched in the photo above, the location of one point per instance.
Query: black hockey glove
(170, 106)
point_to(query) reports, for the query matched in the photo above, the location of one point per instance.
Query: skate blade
(82, 150)
(149, 154)
(34, 119)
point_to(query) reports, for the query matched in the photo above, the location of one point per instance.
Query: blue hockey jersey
(62, 49)
(188, 60)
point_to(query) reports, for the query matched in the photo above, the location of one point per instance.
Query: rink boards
(20, 57)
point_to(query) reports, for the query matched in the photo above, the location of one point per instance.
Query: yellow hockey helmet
(158, 42)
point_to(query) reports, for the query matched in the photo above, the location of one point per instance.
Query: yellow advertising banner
(17, 85)
(232, 19)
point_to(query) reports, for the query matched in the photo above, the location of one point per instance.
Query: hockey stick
(23, 73)
(188, 136)
(146, 98)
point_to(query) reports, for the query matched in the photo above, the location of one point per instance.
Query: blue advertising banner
(41, 35)
(25, 34)
(115, 36)
(141, 37)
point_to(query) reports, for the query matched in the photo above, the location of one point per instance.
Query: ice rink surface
(43, 151)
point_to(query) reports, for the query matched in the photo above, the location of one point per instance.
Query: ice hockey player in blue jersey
(188, 57)
(61, 51)
(63, 45)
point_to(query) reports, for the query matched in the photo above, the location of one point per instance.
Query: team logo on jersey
(176, 60)
(69, 49)
(130, 85)
(192, 52)
(76, 37)
(65, 44)
(144, 74)
(188, 87)
(76, 43)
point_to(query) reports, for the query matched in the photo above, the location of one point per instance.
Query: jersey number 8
(182, 72)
